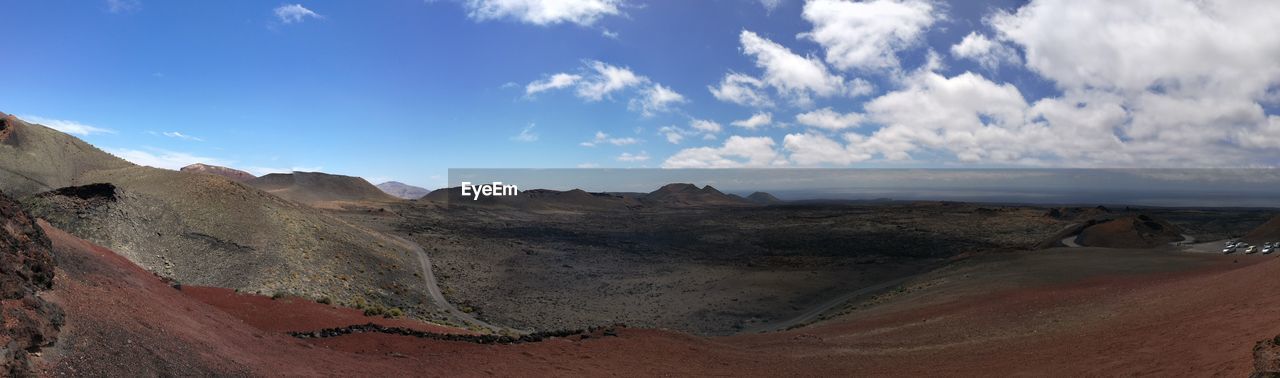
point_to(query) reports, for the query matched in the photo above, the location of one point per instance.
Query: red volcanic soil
(1201, 318)
(290, 314)
(1204, 321)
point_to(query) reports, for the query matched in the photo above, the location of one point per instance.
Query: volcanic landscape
(113, 269)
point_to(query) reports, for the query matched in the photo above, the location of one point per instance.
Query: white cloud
(159, 158)
(795, 76)
(557, 81)
(608, 34)
(543, 12)
(123, 6)
(673, 134)
(526, 134)
(599, 80)
(705, 126)
(771, 5)
(601, 138)
(588, 165)
(294, 13)
(737, 152)
(867, 35)
(634, 158)
(756, 121)
(813, 149)
(829, 119)
(607, 79)
(66, 126)
(990, 54)
(178, 135)
(656, 99)
(742, 90)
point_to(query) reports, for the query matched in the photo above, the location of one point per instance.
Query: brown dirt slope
(26, 270)
(34, 158)
(1267, 232)
(206, 229)
(315, 188)
(233, 174)
(1135, 231)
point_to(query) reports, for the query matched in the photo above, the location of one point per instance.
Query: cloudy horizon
(636, 84)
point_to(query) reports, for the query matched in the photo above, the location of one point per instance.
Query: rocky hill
(403, 190)
(689, 195)
(206, 229)
(34, 158)
(1132, 231)
(233, 174)
(1267, 232)
(763, 198)
(315, 187)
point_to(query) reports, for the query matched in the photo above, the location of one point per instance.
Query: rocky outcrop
(233, 174)
(26, 269)
(1266, 358)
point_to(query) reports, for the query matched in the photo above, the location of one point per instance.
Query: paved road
(433, 289)
(817, 311)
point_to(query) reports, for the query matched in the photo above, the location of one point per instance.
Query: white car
(1252, 249)
(1228, 250)
(1268, 250)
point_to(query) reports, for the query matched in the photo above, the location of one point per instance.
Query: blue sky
(404, 90)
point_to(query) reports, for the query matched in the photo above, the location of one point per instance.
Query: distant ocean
(1137, 187)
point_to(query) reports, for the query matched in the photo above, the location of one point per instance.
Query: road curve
(817, 311)
(433, 289)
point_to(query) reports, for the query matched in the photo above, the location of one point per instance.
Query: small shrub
(324, 301)
(278, 295)
(395, 312)
(374, 310)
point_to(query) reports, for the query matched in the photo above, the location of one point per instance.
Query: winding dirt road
(433, 289)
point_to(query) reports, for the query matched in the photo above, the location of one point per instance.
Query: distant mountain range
(402, 190)
(679, 195)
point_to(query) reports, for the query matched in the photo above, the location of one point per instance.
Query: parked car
(1252, 249)
(1228, 250)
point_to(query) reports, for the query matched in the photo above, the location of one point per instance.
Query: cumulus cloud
(990, 54)
(705, 126)
(602, 138)
(599, 80)
(633, 158)
(867, 35)
(798, 77)
(741, 89)
(294, 13)
(656, 99)
(736, 152)
(607, 79)
(544, 12)
(756, 121)
(673, 134)
(67, 126)
(159, 158)
(814, 149)
(829, 119)
(556, 81)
